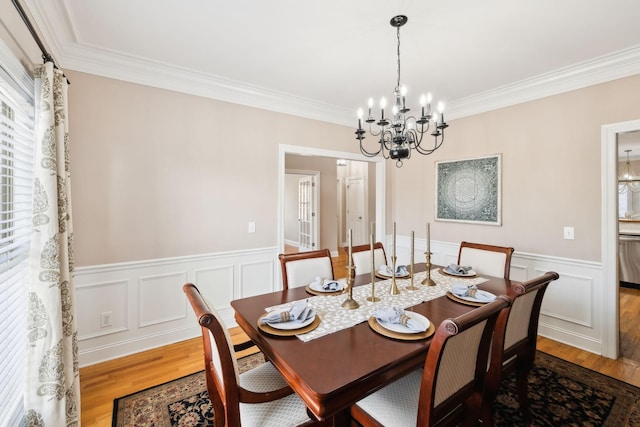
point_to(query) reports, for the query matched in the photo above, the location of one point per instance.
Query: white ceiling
(324, 59)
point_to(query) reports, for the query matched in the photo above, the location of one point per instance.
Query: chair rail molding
(145, 307)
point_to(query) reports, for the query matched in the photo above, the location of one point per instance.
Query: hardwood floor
(100, 384)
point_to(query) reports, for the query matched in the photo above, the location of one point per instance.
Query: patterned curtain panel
(52, 389)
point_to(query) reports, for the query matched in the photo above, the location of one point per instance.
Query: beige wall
(157, 173)
(551, 171)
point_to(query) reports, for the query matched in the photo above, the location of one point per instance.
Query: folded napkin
(462, 290)
(328, 285)
(457, 269)
(401, 270)
(300, 312)
(397, 315)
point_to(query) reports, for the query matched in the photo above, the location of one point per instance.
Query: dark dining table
(332, 372)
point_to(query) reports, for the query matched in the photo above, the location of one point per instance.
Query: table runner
(333, 317)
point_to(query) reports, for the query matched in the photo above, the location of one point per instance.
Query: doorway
(610, 263)
(378, 184)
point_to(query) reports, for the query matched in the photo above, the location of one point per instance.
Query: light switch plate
(569, 233)
(252, 227)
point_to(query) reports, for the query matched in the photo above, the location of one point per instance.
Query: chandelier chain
(398, 36)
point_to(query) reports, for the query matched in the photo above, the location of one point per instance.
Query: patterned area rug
(561, 394)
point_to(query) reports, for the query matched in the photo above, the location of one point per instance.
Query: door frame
(315, 175)
(609, 233)
(381, 179)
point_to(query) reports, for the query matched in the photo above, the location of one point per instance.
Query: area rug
(561, 394)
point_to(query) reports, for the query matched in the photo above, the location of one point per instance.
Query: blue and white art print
(469, 190)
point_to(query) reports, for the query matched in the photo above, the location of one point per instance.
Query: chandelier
(628, 181)
(401, 133)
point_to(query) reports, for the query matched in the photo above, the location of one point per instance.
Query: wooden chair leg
(522, 382)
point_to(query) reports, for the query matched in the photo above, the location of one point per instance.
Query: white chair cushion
(395, 404)
(484, 262)
(288, 411)
(304, 271)
(362, 260)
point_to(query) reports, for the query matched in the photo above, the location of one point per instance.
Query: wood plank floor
(102, 383)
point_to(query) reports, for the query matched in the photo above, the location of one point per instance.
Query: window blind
(17, 143)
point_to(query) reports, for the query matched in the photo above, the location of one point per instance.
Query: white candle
(412, 237)
(428, 238)
(394, 239)
(373, 265)
(349, 246)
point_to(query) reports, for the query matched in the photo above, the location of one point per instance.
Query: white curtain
(52, 389)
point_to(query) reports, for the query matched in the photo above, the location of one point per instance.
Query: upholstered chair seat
(258, 397)
(514, 342)
(450, 386)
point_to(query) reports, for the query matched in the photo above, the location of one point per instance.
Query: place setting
(386, 272)
(300, 318)
(321, 286)
(469, 295)
(458, 271)
(394, 322)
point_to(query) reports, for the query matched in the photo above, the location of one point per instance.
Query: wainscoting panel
(256, 278)
(216, 285)
(147, 308)
(97, 298)
(145, 303)
(159, 299)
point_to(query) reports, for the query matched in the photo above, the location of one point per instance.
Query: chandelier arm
(369, 153)
(427, 151)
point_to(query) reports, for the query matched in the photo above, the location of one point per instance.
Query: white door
(307, 218)
(356, 220)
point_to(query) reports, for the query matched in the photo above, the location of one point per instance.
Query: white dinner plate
(398, 276)
(469, 273)
(488, 297)
(294, 324)
(401, 329)
(317, 286)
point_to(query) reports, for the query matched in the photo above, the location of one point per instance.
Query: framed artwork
(469, 190)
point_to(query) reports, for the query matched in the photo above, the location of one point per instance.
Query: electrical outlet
(105, 319)
(569, 233)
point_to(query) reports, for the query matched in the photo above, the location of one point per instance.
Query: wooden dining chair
(361, 256)
(514, 342)
(449, 388)
(486, 259)
(258, 397)
(302, 268)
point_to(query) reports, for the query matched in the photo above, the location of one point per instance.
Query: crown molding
(115, 65)
(613, 66)
(72, 53)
